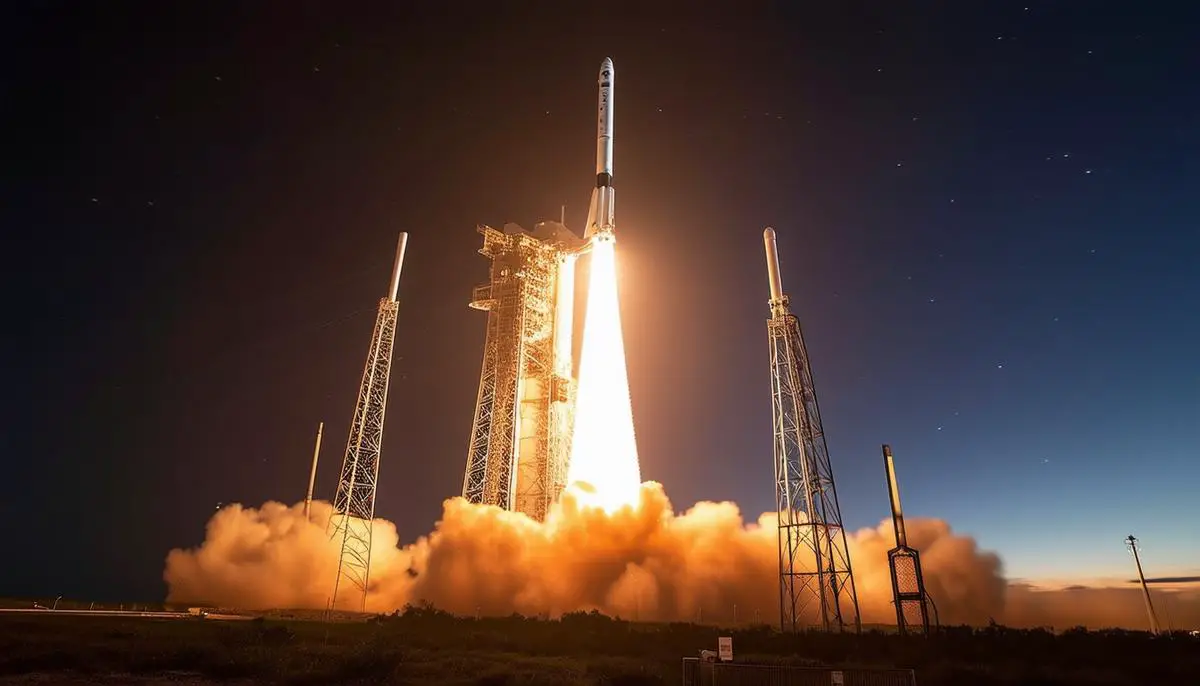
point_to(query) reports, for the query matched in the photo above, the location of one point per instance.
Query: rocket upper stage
(604, 127)
(601, 216)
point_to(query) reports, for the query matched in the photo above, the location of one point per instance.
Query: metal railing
(697, 672)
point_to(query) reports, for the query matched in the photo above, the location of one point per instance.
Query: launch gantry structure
(814, 561)
(520, 438)
(354, 505)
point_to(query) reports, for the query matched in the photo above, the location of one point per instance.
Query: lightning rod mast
(814, 561)
(354, 506)
(1132, 543)
(312, 475)
(904, 563)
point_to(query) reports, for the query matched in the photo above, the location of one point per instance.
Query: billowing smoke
(707, 564)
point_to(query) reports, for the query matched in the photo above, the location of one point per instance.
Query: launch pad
(526, 435)
(537, 424)
(522, 433)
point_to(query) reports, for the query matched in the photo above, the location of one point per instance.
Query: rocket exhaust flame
(603, 447)
(603, 469)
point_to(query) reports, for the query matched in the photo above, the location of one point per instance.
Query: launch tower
(354, 505)
(520, 438)
(904, 563)
(814, 561)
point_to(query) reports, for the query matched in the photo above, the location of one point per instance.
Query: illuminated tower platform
(520, 438)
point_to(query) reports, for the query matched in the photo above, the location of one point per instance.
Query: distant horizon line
(1183, 581)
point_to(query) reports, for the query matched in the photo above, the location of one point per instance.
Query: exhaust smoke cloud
(707, 564)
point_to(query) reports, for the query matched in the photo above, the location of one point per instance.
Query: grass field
(425, 646)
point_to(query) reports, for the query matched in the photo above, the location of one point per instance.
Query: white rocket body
(601, 210)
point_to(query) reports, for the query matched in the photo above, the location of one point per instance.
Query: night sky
(987, 223)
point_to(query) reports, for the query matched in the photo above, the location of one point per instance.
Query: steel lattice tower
(908, 583)
(354, 505)
(520, 438)
(814, 561)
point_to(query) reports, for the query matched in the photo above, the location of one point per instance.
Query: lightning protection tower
(904, 563)
(354, 505)
(520, 438)
(814, 561)
(1133, 547)
(312, 475)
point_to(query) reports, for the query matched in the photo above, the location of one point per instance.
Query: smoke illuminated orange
(603, 448)
(707, 563)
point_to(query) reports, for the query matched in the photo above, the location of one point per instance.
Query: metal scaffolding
(354, 505)
(521, 432)
(814, 561)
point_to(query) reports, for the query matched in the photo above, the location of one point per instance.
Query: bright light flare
(603, 448)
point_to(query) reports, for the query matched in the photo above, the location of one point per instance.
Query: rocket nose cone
(769, 233)
(606, 68)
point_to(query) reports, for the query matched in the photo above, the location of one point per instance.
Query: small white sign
(837, 679)
(725, 648)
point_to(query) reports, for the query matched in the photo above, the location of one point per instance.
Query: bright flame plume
(603, 448)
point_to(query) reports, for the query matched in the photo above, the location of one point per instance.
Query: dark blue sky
(987, 221)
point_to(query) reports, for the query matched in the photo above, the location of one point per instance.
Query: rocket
(600, 211)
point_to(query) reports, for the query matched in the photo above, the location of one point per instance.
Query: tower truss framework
(354, 504)
(814, 560)
(520, 436)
